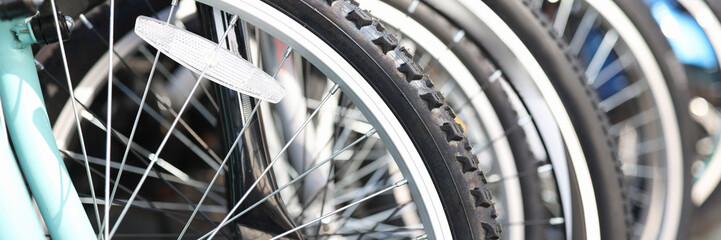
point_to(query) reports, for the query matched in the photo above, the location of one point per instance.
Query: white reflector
(195, 52)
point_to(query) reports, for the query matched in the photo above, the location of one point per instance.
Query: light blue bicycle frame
(32, 139)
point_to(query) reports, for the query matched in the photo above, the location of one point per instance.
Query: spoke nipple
(86, 21)
(69, 21)
(234, 20)
(39, 65)
(421, 237)
(495, 76)
(153, 157)
(414, 5)
(371, 132)
(556, 221)
(459, 35)
(524, 120)
(334, 89)
(287, 52)
(401, 183)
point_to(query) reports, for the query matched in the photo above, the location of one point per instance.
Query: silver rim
(662, 202)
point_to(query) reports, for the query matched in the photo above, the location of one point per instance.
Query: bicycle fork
(29, 128)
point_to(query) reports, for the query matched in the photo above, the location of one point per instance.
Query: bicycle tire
(481, 67)
(670, 82)
(583, 110)
(677, 82)
(330, 20)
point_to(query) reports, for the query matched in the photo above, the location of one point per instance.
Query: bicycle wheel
(337, 40)
(703, 81)
(516, 160)
(538, 219)
(642, 89)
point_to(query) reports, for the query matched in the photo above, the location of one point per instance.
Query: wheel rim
(662, 203)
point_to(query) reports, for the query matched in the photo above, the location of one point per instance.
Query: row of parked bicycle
(393, 119)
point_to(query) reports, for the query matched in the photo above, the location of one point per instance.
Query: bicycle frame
(39, 158)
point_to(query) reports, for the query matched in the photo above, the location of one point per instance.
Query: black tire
(482, 68)
(675, 75)
(676, 84)
(401, 83)
(599, 146)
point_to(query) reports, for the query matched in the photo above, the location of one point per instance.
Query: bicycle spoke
(645, 147)
(430, 64)
(75, 109)
(366, 170)
(155, 115)
(372, 220)
(235, 143)
(614, 68)
(333, 90)
(159, 207)
(641, 171)
(354, 143)
(143, 50)
(218, 171)
(140, 106)
(582, 31)
(95, 120)
(637, 195)
(127, 190)
(167, 135)
(396, 185)
(628, 93)
(494, 178)
(395, 211)
(467, 103)
(139, 151)
(519, 125)
(351, 194)
(637, 121)
(449, 46)
(536, 4)
(138, 170)
(370, 184)
(179, 135)
(109, 120)
(357, 173)
(210, 157)
(325, 194)
(399, 230)
(561, 19)
(358, 156)
(122, 60)
(601, 55)
(168, 206)
(550, 221)
(148, 235)
(160, 176)
(348, 126)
